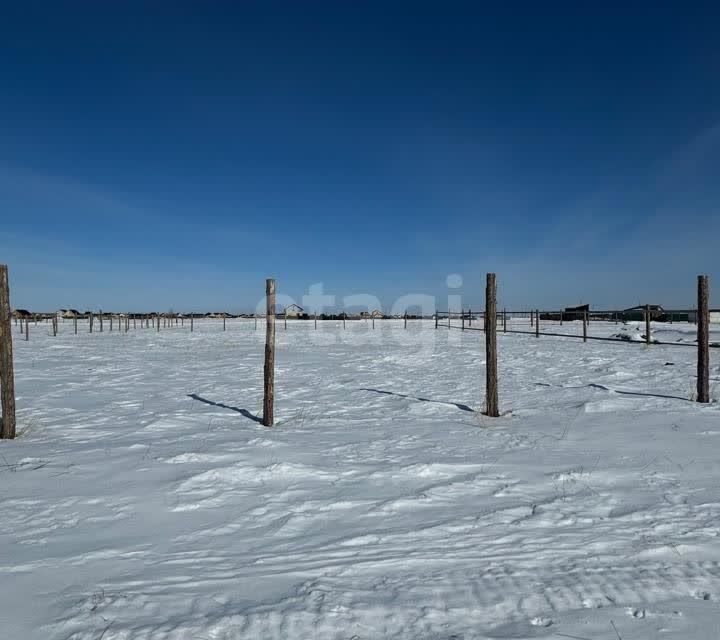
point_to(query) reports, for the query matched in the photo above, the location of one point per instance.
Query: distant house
(69, 313)
(375, 313)
(22, 314)
(217, 314)
(638, 313)
(293, 311)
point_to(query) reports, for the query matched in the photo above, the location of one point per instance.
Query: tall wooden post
(7, 375)
(537, 323)
(269, 370)
(223, 323)
(462, 320)
(27, 329)
(531, 318)
(54, 325)
(256, 321)
(316, 319)
(504, 321)
(647, 324)
(344, 318)
(101, 321)
(158, 323)
(703, 361)
(491, 382)
(111, 321)
(373, 322)
(134, 322)
(585, 314)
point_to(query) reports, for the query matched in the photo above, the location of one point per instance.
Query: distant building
(634, 314)
(293, 311)
(375, 313)
(22, 313)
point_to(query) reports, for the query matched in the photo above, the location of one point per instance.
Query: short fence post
(647, 324)
(537, 323)
(469, 317)
(436, 319)
(531, 318)
(111, 321)
(269, 369)
(101, 321)
(54, 325)
(561, 318)
(256, 321)
(316, 320)
(7, 375)
(91, 322)
(75, 323)
(223, 323)
(191, 324)
(406, 319)
(344, 316)
(27, 329)
(504, 321)
(462, 320)
(158, 323)
(491, 383)
(285, 319)
(373, 322)
(585, 314)
(703, 361)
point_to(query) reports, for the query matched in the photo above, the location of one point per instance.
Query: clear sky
(173, 155)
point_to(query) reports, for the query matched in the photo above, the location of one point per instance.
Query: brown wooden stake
(316, 320)
(111, 322)
(491, 382)
(531, 318)
(7, 374)
(647, 324)
(344, 318)
(269, 370)
(703, 361)
(101, 321)
(585, 326)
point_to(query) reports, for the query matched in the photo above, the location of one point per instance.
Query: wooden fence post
(406, 319)
(91, 322)
(75, 323)
(537, 323)
(344, 318)
(223, 323)
(7, 375)
(158, 323)
(561, 317)
(585, 326)
(285, 318)
(316, 319)
(191, 324)
(269, 369)
(27, 329)
(54, 325)
(436, 319)
(703, 361)
(647, 324)
(101, 321)
(469, 317)
(491, 382)
(462, 320)
(373, 322)
(531, 318)
(504, 321)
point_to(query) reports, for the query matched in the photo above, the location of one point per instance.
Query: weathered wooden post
(54, 325)
(27, 329)
(285, 317)
(405, 320)
(91, 322)
(373, 322)
(703, 361)
(269, 370)
(462, 320)
(75, 323)
(504, 321)
(316, 319)
(7, 375)
(223, 323)
(491, 382)
(158, 323)
(561, 317)
(436, 319)
(101, 321)
(191, 324)
(134, 322)
(344, 318)
(111, 321)
(537, 323)
(585, 314)
(531, 318)
(469, 317)
(256, 321)
(647, 324)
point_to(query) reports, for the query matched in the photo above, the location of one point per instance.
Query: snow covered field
(144, 500)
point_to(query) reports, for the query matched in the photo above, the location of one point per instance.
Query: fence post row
(7, 375)
(703, 358)
(491, 385)
(269, 368)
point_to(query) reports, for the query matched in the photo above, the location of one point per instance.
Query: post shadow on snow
(594, 385)
(459, 405)
(243, 412)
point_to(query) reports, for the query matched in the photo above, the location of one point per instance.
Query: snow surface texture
(143, 499)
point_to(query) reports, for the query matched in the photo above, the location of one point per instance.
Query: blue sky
(173, 155)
